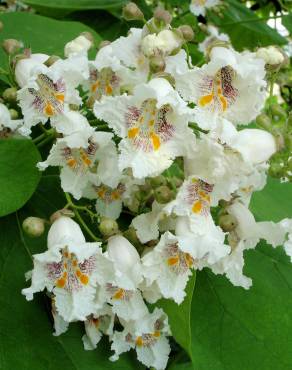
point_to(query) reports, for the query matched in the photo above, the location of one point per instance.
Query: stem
(251, 20)
(79, 218)
(188, 55)
(45, 141)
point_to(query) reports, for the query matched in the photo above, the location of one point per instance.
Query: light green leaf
(237, 329)
(41, 34)
(245, 28)
(19, 175)
(26, 336)
(179, 316)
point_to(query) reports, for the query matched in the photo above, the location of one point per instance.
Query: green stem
(188, 55)
(251, 20)
(45, 141)
(79, 218)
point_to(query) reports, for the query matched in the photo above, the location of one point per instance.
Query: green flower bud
(108, 227)
(13, 114)
(10, 95)
(163, 194)
(264, 121)
(288, 141)
(280, 140)
(227, 222)
(157, 181)
(52, 59)
(278, 111)
(11, 46)
(131, 235)
(162, 15)
(33, 226)
(134, 205)
(157, 63)
(187, 32)
(131, 12)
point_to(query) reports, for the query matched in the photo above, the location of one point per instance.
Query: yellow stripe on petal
(49, 110)
(60, 97)
(197, 207)
(206, 99)
(172, 261)
(119, 294)
(155, 140)
(223, 103)
(133, 132)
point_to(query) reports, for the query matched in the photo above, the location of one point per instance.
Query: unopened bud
(33, 226)
(157, 63)
(89, 36)
(273, 57)
(162, 15)
(108, 227)
(13, 114)
(11, 46)
(122, 252)
(187, 32)
(104, 43)
(163, 194)
(288, 141)
(157, 181)
(278, 111)
(133, 204)
(227, 222)
(167, 76)
(264, 121)
(132, 12)
(1, 26)
(131, 235)
(52, 59)
(280, 141)
(204, 28)
(10, 95)
(61, 213)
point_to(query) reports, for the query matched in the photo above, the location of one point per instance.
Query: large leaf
(19, 175)
(287, 22)
(245, 29)
(26, 336)
(237, 329)
(78, 4)
(41, 34)
(179, 316)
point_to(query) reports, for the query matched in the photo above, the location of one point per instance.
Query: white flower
(123, 279)
(231, 86)
(164, 43)
(198, 7)
(71, 271)
(6, 121)
(213, 36)
(286, 225)
(102, 322)
(80, 45)
(169, 267)
(152, 124)
(85, 157)
(60, 325)
(271, 55)
(148, 337)
(50, 90)
(25, 67)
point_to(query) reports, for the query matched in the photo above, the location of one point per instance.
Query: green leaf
(245, 28)
(78, 4)
(237, 329)
(26, 336)
(179, 316)
(19, 174)
(287, 22)
(41, 34)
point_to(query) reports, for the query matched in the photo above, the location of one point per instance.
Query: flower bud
(131, 12)
(187, 32)
(162, 15)
(167, 76)
(79, 45)
(227, 222)
(1, 26)
(121, 251)
(61, 213)
(256, 146)
(272, 56)
(278, 111)
(11, 46)
(89, 36)
(264, 121)
(280, 140)
(52, 59)
(164, 43)
(163, 194)
(33, 226)
(157, 64)
(10, 95)
(108, 227)
(13, 114)
(131, 235)
(157, 181)
(64, 230)
(104, 43)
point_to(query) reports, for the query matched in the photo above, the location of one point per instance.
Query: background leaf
(245, 28)
(237, 329)
(19, 175)
(26, 336)
(287, 22)
(77, 4)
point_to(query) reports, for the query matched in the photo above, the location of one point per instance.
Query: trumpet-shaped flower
(152, 124)
(148, 337)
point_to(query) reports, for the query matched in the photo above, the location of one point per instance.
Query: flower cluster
(122, 122)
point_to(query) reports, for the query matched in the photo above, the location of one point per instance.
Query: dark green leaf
(245, 28)
(77, 4)
(287, 22)
(19, 175)
(179, 317)
(237, 329)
